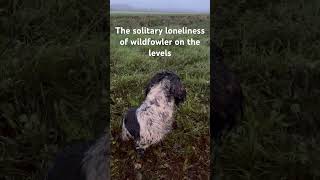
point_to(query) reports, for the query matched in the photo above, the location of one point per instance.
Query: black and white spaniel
(153, 119)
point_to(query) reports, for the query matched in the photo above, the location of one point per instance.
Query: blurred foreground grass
(52, 81)
(51, 78)
(274, 48)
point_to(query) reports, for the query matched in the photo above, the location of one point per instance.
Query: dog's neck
(158, 103)
(158, 96)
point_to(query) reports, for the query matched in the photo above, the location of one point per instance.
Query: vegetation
(52, 80)
(185, 152)
(273, 46)
(53, 87)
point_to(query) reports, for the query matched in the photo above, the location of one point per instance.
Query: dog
(153, 119)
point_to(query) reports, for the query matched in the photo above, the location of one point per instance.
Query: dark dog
(153, 120)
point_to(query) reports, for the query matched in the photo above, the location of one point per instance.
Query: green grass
(52, 72)
(186, 150)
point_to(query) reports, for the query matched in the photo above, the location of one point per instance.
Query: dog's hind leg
(140, 148)
(141, 145)
(139, 161)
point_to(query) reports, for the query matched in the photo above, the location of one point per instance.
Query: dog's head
(172, 85)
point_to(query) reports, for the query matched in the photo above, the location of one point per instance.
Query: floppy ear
(178, 92)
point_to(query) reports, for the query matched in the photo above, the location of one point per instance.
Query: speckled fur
(155, 115)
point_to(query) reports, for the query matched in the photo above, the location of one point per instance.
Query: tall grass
(274, 49)
(52, 80)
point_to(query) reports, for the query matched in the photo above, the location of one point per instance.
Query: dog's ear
(178, 92)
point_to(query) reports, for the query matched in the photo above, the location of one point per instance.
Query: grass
(52, 86)
(274, 49)
(185, 152)
(152, 13)
(52, 68)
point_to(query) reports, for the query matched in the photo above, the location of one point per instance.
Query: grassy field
(152, 13)
(53, 86)
(185, 152)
